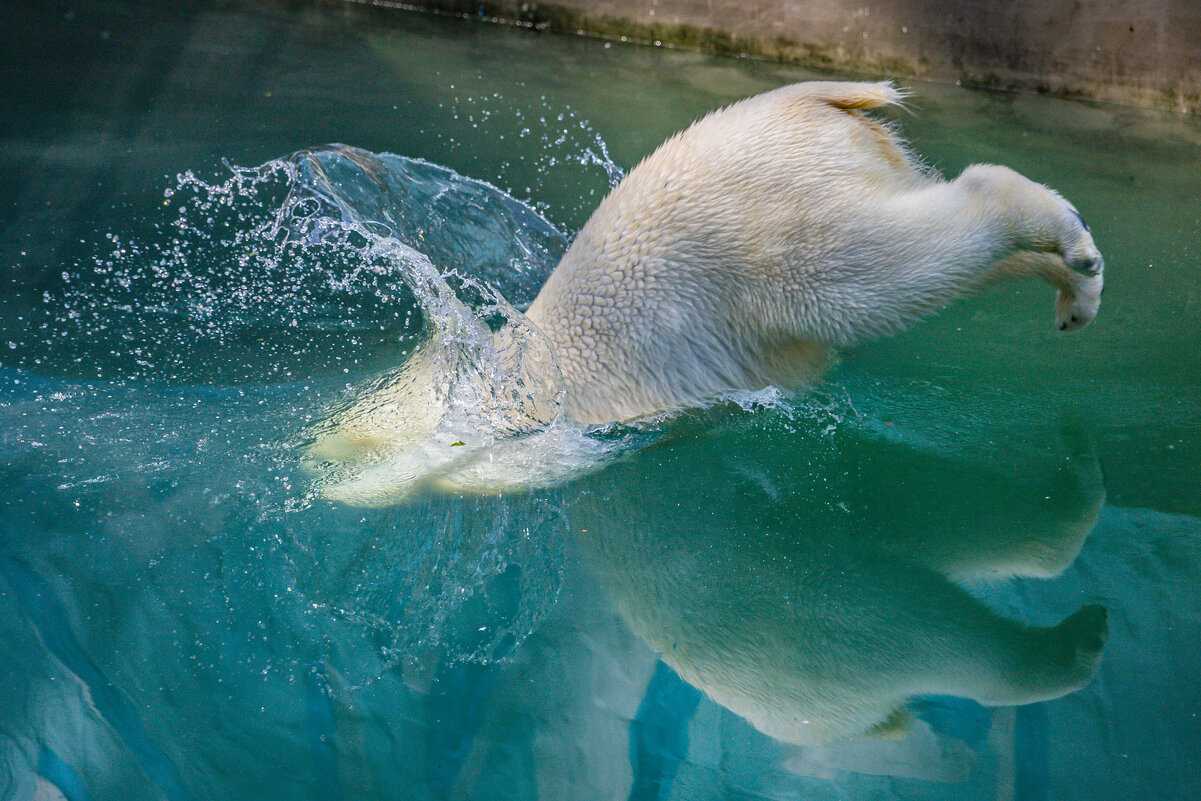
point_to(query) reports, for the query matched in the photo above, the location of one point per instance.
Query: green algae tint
(774, 596)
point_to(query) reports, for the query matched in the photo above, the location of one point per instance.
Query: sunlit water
(205, 594)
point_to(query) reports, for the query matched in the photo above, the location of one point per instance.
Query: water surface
(195, 281)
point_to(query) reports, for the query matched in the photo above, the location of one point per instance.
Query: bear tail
(846, 95)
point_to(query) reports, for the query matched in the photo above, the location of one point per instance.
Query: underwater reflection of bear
(816, 625)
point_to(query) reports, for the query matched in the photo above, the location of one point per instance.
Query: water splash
(478, 404)
(570, 151)
(264, 312)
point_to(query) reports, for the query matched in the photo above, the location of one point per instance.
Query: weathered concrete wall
(1144, 52)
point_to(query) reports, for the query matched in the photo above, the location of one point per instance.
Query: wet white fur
(747, 246)
(736, 256)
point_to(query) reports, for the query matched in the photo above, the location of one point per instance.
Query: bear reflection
(815, 601)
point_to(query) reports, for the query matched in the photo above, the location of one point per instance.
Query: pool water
(198, 601)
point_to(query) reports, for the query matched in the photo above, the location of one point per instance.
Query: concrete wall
(1143, 52)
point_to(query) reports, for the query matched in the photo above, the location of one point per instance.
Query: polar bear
(746, 247)
(736, 256)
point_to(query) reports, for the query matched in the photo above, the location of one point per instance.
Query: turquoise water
(196, 284)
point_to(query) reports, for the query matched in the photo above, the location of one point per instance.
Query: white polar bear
(736, 256)
(747, 246)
